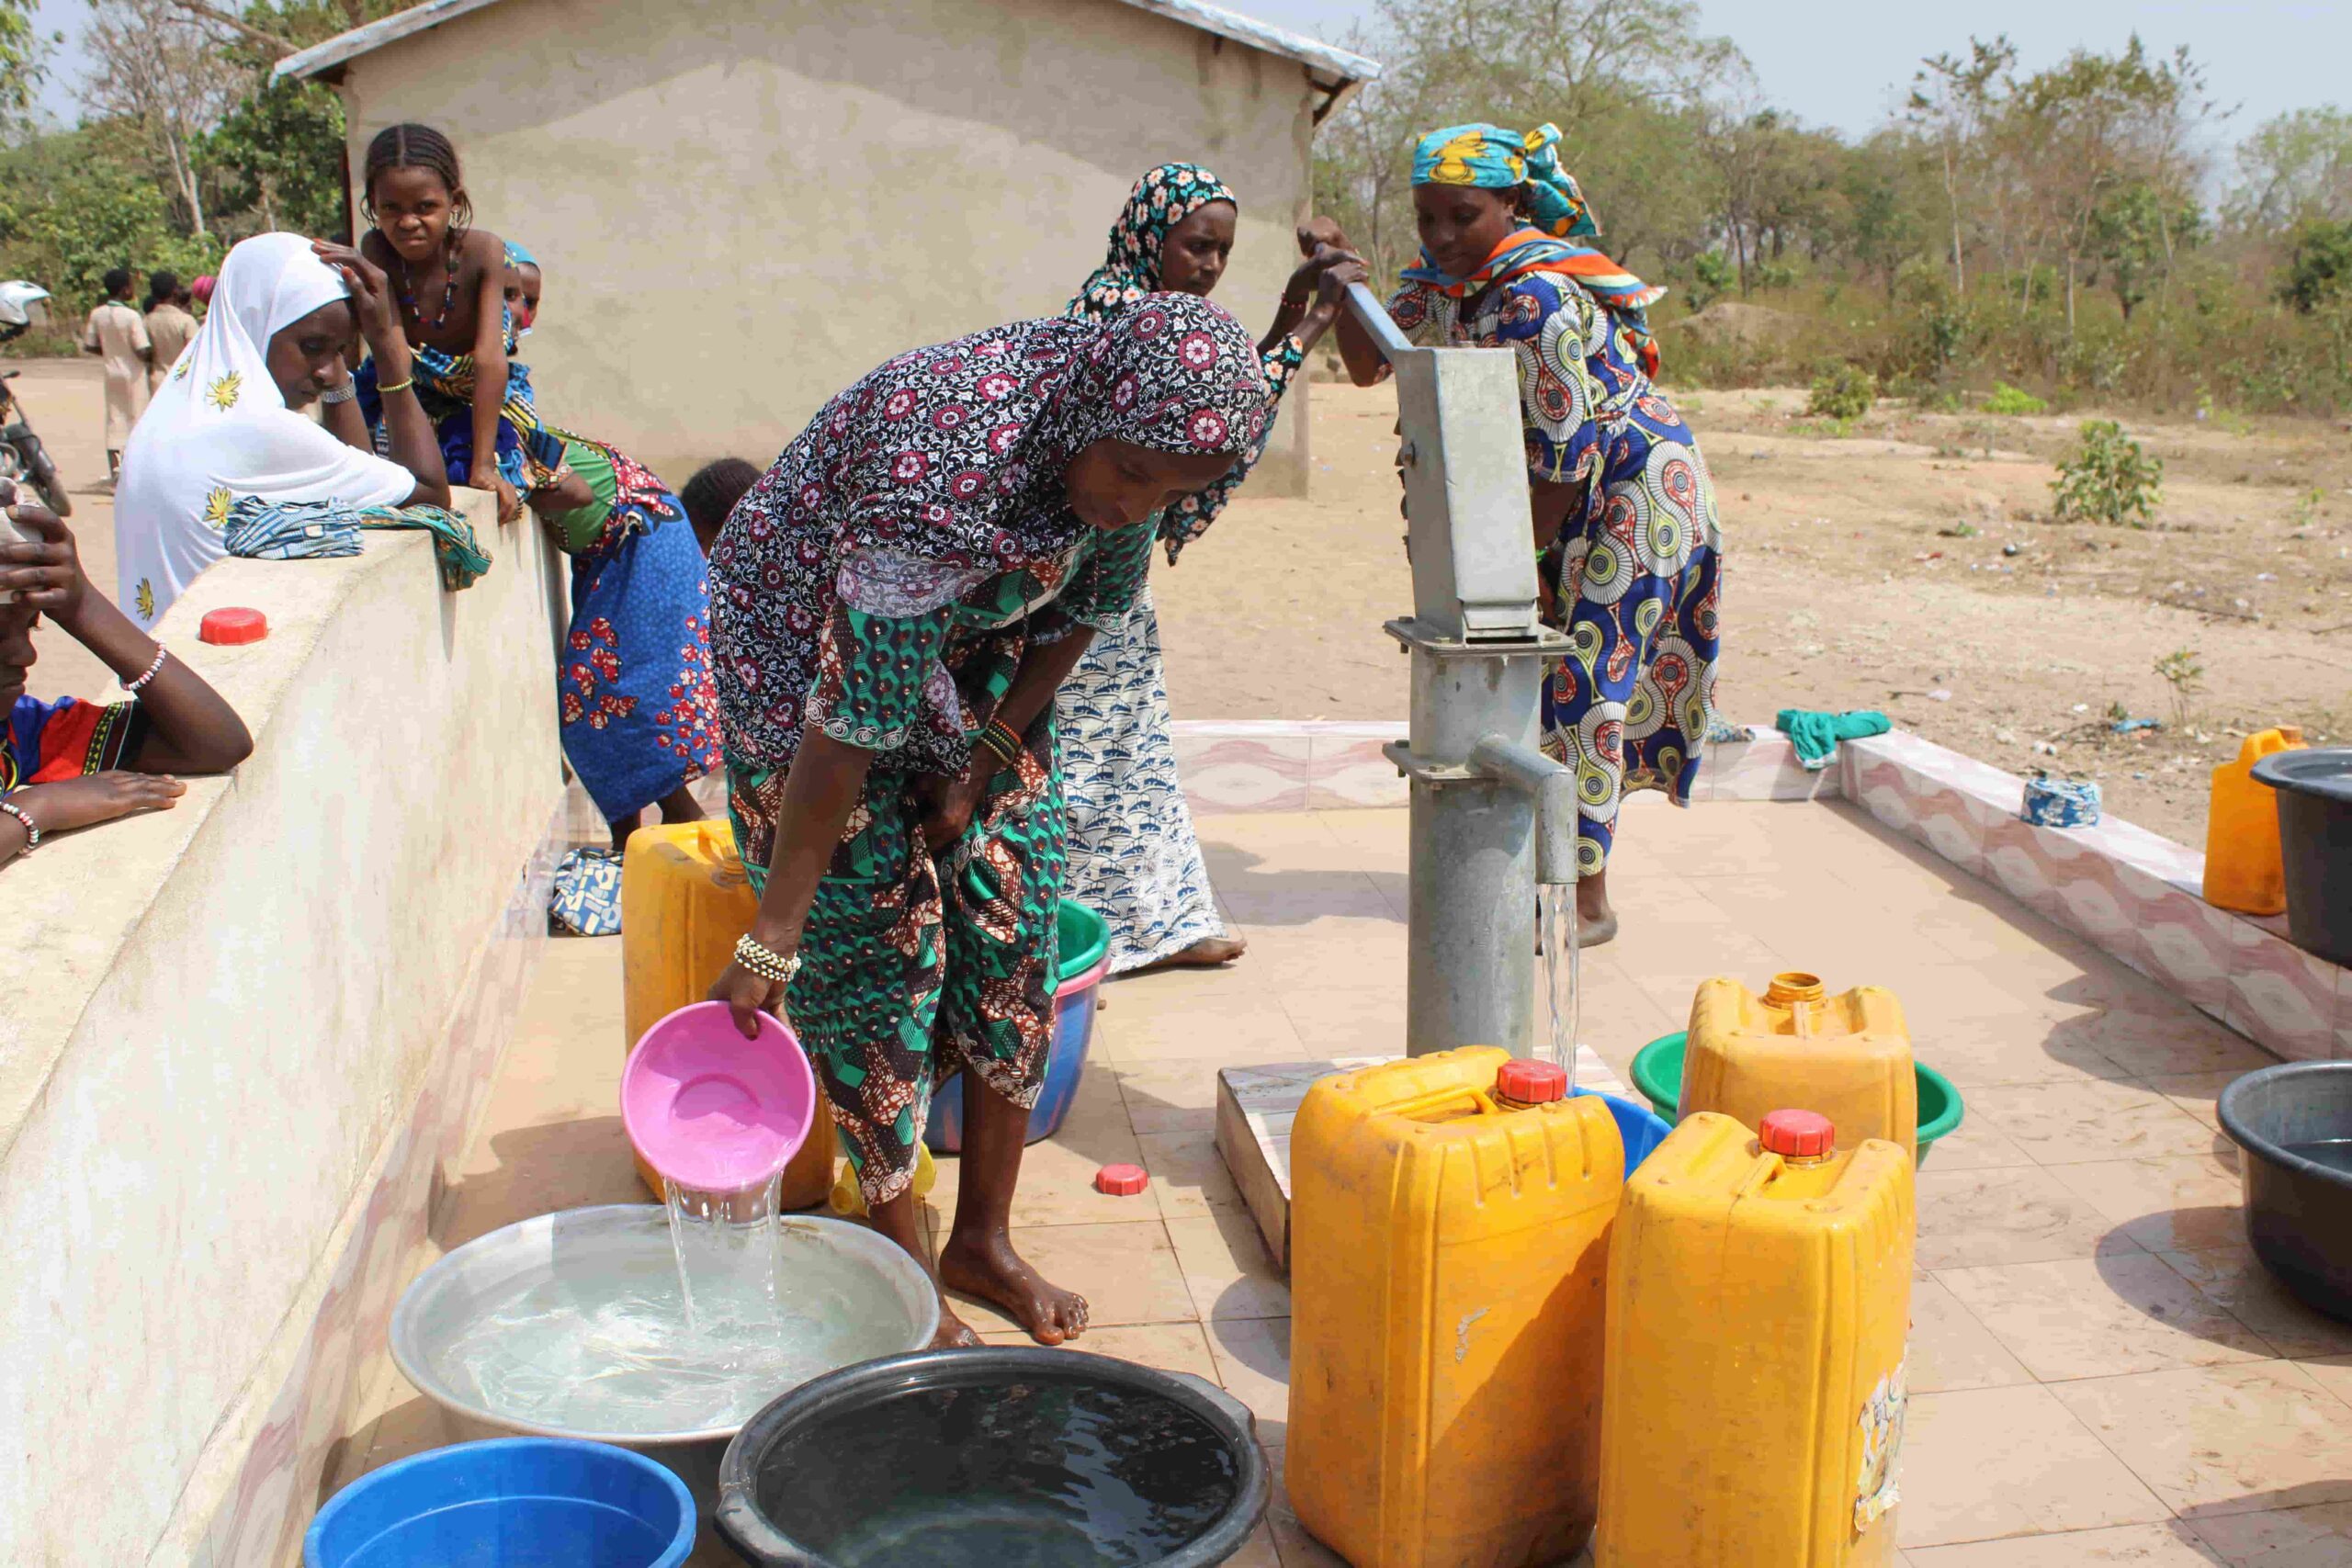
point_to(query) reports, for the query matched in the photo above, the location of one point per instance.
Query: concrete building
(742, 207)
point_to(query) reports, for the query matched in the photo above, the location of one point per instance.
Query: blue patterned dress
(1638, 580)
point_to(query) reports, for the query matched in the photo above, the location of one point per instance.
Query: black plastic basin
(2294, 1125)
(2315, 838)
(994, 1457)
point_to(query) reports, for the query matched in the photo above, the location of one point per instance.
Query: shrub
(1844, 393)
(2108, 480)
(2008, 399)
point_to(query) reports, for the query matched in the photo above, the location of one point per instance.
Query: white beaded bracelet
(32, 829)
(132, 689)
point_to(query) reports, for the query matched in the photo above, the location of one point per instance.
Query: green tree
(2319, 265)
(2295, 168)
(280, 148)
(20, 59)
(2130, 231)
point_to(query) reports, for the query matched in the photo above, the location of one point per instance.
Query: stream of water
(1555, 919)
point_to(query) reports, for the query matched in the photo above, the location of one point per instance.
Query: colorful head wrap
(1491, 158)
(1130, 269)
(201, 289)
(518, 256)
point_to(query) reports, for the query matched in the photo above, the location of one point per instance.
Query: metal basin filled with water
(573, 1325)
(995, 1458)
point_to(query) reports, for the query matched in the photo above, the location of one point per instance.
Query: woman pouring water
(893, 605)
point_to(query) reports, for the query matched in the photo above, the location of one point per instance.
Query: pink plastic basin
(712, 1110)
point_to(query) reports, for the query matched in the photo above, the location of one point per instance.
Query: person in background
(170, 325)
(227, 433)
(639, 717)
(895, 603)
(712, 494)
(116, 334)
(1134, 858)
(1626, 530)
(200, 292)
(69, 763)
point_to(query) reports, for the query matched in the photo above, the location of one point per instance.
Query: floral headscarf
(1130, 269)
(1161, 200)
(954, 454)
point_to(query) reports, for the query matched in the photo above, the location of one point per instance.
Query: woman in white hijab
(227, 425)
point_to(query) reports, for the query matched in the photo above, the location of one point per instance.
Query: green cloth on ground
(1815, 734)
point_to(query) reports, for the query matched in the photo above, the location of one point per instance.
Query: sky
(1845, 63)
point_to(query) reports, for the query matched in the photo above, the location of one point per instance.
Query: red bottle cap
(231, 627)
(1532, 1083)
(1122, 1180)
(1796, 1134)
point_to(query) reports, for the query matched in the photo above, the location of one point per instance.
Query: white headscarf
(218, 431)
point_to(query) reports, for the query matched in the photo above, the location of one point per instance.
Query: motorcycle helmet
(16, 299)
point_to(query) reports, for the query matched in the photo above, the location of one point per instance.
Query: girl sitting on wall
(69, 763)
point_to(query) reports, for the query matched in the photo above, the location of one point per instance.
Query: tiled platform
(2100, 1374)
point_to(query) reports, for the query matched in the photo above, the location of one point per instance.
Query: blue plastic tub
(1641, 1128)
(508, 1503)
(1085, 948)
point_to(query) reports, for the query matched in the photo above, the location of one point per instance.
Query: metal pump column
(1491, 816)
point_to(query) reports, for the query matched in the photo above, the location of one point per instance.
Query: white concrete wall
(742, 207)
(216, 1020)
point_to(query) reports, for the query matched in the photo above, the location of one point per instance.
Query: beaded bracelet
(32, 829)
(765, 960)
(1001, 738)
(387, 390)
(132, 689)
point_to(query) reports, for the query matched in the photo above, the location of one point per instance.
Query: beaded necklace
(449, 290)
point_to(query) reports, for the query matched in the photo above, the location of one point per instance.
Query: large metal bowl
(452, 1293)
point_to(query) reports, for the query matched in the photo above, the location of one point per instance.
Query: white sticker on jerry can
(1882, 1423)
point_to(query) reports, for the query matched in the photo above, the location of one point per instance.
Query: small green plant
(2006, 399)
(1960, 530)
(1844, 393)
(2108, 480)
(1711, 279)
(2183, 671)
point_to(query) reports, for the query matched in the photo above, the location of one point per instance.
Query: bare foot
(1206, 953)
(992, 1271)
(954, 1334)
(1593, 933)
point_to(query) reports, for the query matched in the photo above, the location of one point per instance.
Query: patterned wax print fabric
(640, 714)
(1637, 578)
(585, 900)
(929, 477)
(529, 456)
(256, 529)
(1134, 856)
(69, 739)
(914, 965)
(1130, 269)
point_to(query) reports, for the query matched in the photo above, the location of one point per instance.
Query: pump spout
(1552, 786)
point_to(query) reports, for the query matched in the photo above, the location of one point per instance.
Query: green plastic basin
(1658, 1073)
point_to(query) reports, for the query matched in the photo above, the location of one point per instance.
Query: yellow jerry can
(685, 899)
(1846, 1057)
(2245, 869)
(1760, 1295)
(1448, 1243)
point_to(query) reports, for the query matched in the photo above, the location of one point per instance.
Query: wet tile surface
(2100, 1371)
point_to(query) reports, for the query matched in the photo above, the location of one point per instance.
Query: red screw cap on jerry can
(1121, 1180)
(231, 627)
(1796, 1134)
(1532, 1083)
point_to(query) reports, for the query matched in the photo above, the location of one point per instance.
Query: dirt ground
(1911, 555)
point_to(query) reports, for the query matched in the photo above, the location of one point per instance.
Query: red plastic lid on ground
(233, 626)
(1798, 1134)
(1122, 1180)
(1531, 1083)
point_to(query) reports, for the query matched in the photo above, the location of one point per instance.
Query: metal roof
(1331, 67)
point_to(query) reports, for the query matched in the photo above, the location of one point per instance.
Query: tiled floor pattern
(2099, 1372)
